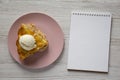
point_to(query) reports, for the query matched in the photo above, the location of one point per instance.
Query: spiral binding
(91, 14)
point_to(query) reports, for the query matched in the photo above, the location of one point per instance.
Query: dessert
(30, 40)
(27, 42)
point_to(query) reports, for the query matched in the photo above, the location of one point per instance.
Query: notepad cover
(89, 41)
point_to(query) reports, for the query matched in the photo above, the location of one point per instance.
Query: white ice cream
(27, 42)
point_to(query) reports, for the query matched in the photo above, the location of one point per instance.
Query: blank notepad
(89, 41)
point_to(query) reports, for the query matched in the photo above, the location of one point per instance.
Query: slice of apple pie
(30, 40)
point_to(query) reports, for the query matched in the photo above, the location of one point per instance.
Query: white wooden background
(60, 10)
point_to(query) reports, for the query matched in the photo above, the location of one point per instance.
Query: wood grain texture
(60, 10)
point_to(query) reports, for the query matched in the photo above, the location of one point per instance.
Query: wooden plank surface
(60, 10)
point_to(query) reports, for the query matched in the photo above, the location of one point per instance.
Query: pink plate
(53, 33)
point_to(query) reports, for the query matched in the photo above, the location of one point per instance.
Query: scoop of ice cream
(27, 42)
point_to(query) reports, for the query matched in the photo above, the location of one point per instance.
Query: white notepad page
(89, 41)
